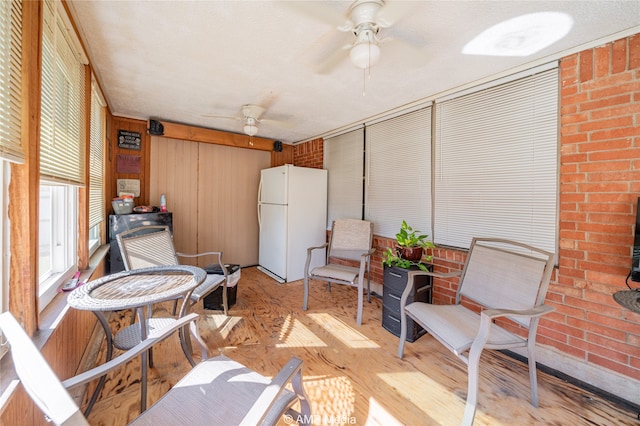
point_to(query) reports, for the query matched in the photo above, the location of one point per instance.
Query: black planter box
(395, 281)
(213, 300)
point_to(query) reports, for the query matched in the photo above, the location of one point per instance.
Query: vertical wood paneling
(227, 201)
(174, 172)
(212, 191)
(120, 123)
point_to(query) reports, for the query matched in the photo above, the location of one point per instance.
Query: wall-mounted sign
(131, 186)
(129, 140)
(127, 163)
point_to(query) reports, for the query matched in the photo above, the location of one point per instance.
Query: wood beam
(201, 134)
(25, 180)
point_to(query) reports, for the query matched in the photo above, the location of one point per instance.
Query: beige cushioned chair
(351, 240)
(508, 280)
(216, 391)
(153, 246)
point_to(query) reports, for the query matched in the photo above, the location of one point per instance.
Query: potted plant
(409, 249)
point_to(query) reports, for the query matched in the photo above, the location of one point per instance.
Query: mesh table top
(138, 287)
(629, 299)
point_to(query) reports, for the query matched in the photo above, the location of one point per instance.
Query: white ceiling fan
(362, 25)
(251, 117)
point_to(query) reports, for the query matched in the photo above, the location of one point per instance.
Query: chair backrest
(37, 377)
(506, 274)
(147, 246)
(350, 238)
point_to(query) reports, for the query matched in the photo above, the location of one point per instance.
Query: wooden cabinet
(395, 281)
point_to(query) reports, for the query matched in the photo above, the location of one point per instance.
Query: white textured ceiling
(177, 60)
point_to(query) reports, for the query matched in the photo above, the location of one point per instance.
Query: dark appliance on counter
(119, 223)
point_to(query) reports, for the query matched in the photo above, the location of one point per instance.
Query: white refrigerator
(292, 216)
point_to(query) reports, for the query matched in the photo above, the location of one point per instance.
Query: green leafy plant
(407, 238)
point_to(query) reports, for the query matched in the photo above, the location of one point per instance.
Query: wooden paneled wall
(212, 191)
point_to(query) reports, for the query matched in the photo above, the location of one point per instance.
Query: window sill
(55, 311)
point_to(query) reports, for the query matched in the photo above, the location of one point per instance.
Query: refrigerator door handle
(259, 203)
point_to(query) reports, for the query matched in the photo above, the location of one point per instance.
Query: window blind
(345, 163)
(496, 163)
(62, 141)
(11, 80)
(96, 158)
(398, 177)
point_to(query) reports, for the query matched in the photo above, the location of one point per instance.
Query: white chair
(216, 391)
(508, 279)
(153, 246)
(351, 240)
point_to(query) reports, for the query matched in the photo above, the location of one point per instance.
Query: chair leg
(360, 300)
(533, 377)
(403, 332)
(305, 407)
(368, 288)
(472, 387)
(305, 304)
(225, 305)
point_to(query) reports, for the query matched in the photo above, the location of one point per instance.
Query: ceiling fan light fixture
(365, 55)
(250, 129)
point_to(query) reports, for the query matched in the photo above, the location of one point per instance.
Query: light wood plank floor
(351, 373)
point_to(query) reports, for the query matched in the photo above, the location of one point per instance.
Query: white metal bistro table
(138, 289)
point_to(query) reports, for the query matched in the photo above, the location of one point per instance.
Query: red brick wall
(309, 154)
(599, 188)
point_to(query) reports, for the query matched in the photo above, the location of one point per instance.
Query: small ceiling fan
(251, 117)
(364, 20)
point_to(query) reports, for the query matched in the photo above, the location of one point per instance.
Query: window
(58, 233)
(494, 170)
(96, 167)
(398, 177)
(11, 80)
(62, 138)
(62, 149)
(10, 125)
(496, 162)
(343, 158)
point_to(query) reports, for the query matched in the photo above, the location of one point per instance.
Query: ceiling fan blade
(392, 12)
(277, 123)
(404, 52)
(333, 60)
(221, 116)
(253, 111)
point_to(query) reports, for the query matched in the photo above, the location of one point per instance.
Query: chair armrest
(269, 395)
(216, 253)
(368, 253)
(487, 316)
(310, 249)
(309, 253)
(411, 277)
(412, 274)
(141, 347)
(533, 312)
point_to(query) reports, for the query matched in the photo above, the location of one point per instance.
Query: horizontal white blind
(62, 141)
(96, 159)
(496, 164)
(398, 176)
(343, 156)
(11, 80)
